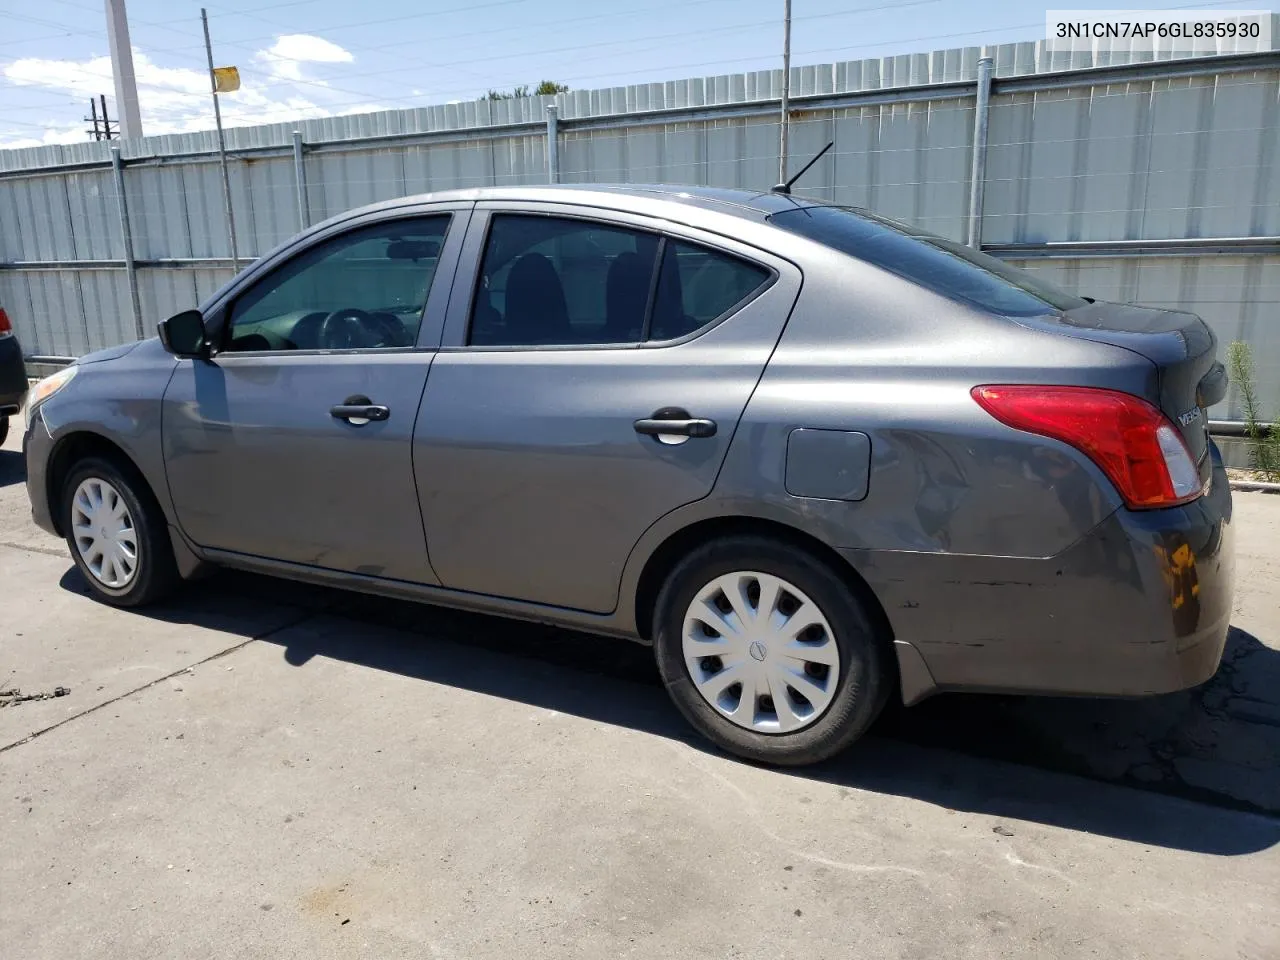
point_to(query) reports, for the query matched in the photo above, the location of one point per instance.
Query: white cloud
(54, 133)
(285, 57)
(176, 99)
(163, 92)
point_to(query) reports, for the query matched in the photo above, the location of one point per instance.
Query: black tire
(866, 671)
(4, 427)
(156, 573)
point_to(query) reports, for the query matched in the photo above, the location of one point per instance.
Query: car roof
(753, 205)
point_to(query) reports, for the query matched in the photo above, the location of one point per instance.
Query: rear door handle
(358, 411)
(674, 422)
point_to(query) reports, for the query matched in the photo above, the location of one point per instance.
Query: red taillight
(1134, 444)
(5, 326)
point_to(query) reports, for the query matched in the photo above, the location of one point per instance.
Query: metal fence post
(784, 116)
(300, 181)
(978, 174)
(126, 234)
(553, 143)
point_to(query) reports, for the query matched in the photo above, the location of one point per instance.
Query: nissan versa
(816, 458)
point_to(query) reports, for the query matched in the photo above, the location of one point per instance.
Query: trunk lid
(1189, 378)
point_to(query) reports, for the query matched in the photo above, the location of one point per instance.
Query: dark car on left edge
(13, 375)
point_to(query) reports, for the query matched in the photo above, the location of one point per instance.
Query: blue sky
(304, 58)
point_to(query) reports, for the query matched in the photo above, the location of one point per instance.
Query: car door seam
(626, 565)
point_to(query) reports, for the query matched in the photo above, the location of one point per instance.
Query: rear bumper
(13, 376)
(1141, 605)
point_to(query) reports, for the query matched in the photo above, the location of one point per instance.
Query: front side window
(550, 281)
(941, 265)
(362, 290)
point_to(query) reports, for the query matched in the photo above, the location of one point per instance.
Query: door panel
(535, 483)
(258, 459)
(257, 464)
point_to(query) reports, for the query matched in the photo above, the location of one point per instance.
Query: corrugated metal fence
(1155, 181)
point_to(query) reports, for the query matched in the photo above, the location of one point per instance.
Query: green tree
(507, 94)
(547, 88)
(1263, 439)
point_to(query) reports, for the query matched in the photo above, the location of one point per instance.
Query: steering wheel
(351, 328)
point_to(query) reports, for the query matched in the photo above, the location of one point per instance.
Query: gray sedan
(816, 458)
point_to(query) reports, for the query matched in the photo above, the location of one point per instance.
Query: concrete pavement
(268, 770)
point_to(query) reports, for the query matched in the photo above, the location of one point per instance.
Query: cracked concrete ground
(267, 769)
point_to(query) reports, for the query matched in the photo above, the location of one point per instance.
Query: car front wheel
(768, 652)
(117, 534)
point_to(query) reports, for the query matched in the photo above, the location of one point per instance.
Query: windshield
(941, 265)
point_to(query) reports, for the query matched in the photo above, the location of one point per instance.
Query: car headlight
(46, 388)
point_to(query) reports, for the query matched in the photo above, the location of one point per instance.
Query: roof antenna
(785, 188)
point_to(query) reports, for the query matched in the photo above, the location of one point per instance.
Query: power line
(541, 24)
(240, 41)
(373, 99)
(630, 41)
(472, 34)
(365, 96)
(133, 21)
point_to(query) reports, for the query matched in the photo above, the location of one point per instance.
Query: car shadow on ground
(989, 755)
(13, 469)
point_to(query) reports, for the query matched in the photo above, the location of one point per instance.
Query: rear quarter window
(697, 285)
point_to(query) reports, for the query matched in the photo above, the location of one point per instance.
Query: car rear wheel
(4, 427)
(117, 534)
(768, 652)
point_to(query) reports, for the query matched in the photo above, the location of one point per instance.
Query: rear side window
(941, 265)
(557, 281)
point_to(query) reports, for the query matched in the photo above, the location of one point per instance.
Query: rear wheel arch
(679, 544)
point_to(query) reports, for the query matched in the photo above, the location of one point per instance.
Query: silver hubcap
(761, 652)
(104, 533)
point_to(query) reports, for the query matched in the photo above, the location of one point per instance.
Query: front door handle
(358, 411)
(675, 422)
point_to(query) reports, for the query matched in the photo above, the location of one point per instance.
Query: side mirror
(183, 334)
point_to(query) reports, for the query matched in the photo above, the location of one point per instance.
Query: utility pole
(122, 69)
(785, 119)
(222, 145)
(99, 132)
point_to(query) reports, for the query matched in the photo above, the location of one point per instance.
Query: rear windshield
(941, 265)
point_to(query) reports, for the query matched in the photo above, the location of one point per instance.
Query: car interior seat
(536, 307)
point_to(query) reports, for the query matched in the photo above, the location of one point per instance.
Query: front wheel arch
(74, 448)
